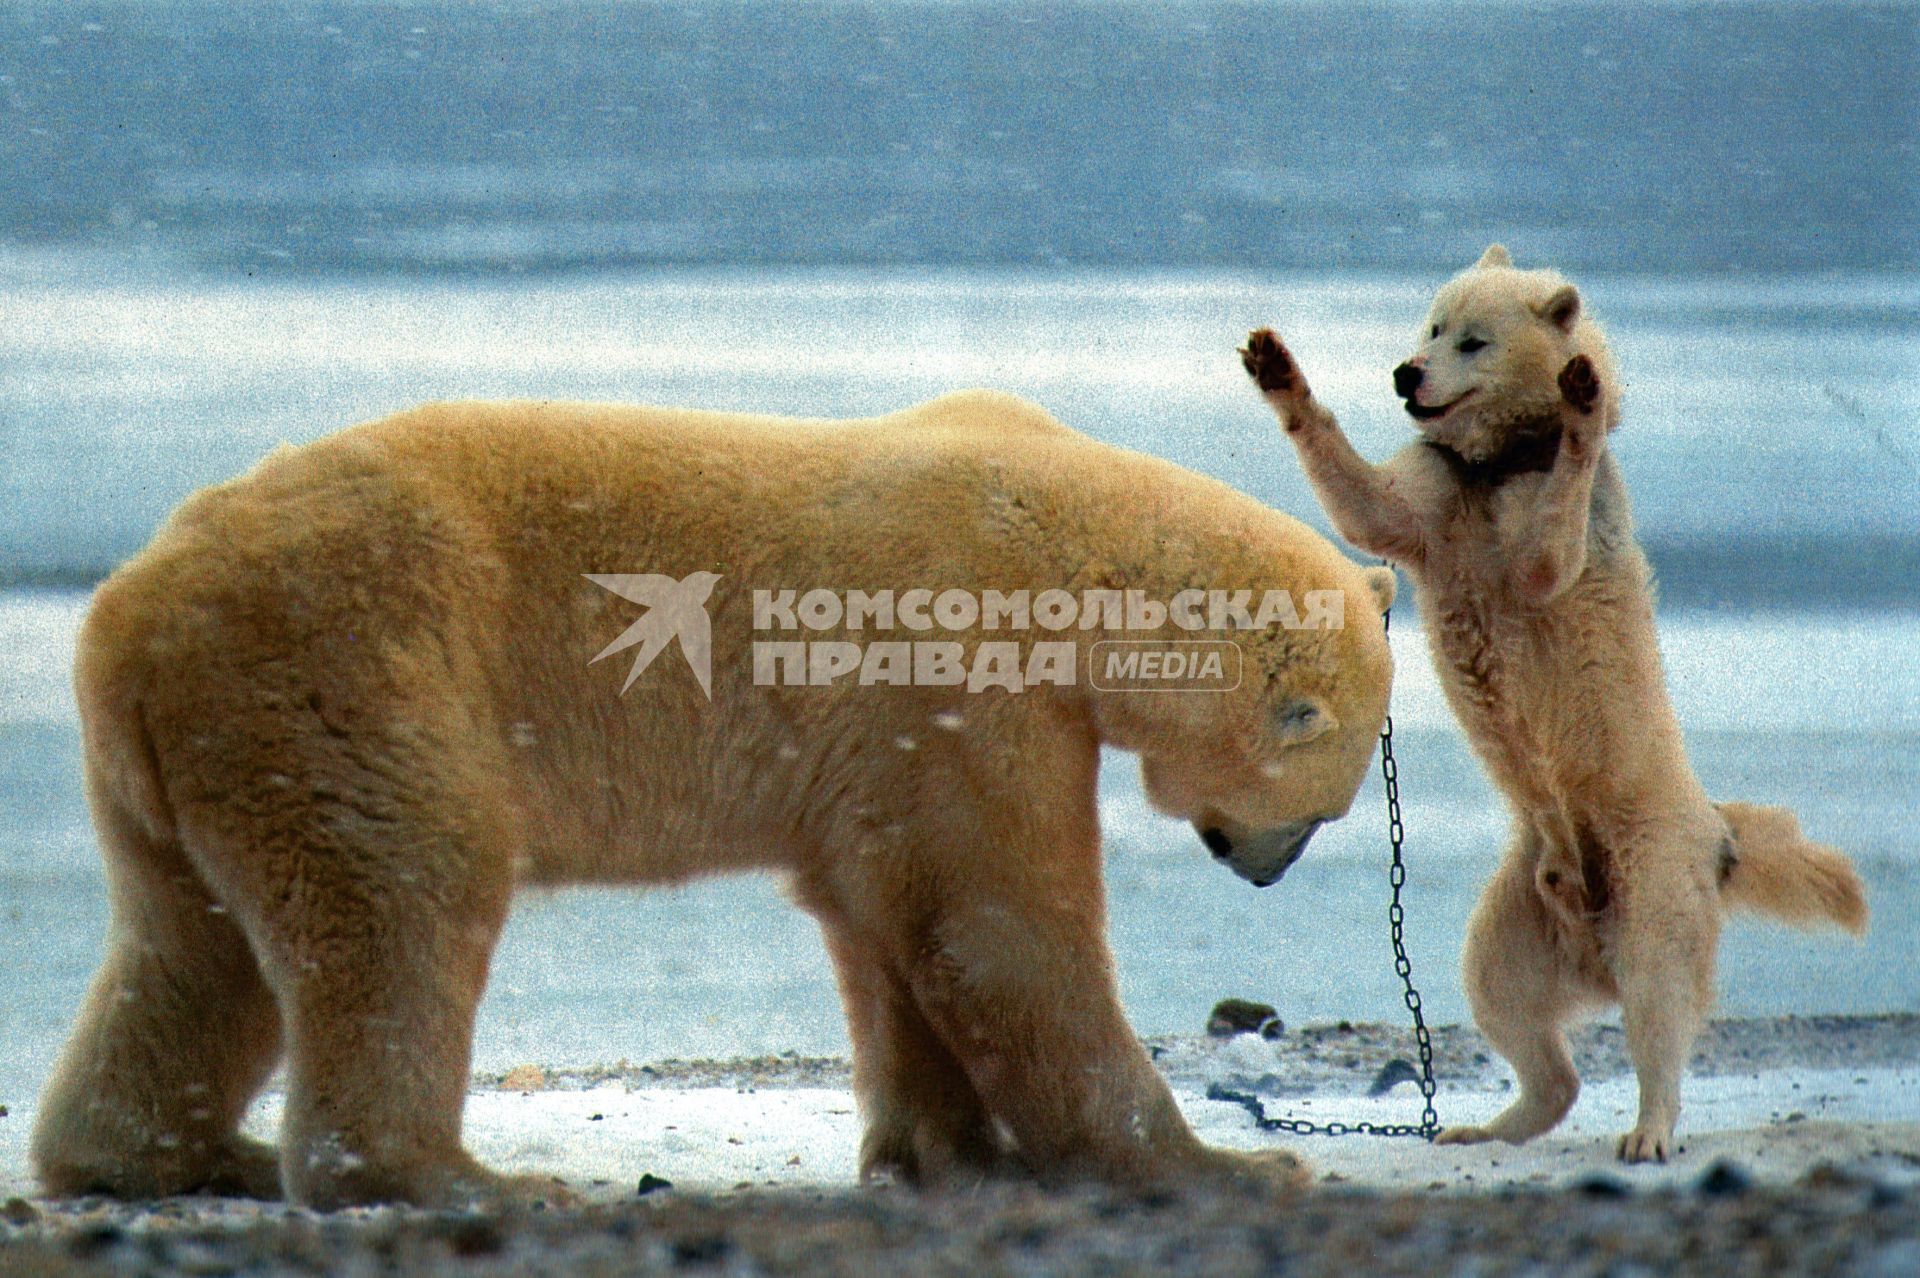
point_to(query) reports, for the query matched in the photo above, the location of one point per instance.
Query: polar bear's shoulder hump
(986, 411)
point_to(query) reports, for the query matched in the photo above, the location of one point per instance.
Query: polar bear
(344, 705)
(1512, 519)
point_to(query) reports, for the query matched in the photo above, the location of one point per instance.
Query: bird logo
(675, 610)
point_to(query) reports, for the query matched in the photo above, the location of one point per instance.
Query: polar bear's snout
(1259, 858)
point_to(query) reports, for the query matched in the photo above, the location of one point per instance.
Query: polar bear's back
(607, 483)
(480, 523)
(431, 576)
(421, 512)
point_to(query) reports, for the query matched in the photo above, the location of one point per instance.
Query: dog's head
(1489, 360)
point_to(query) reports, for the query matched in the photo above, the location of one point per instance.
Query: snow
(1776, 1124)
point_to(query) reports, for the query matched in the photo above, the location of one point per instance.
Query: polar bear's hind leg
(178, 1032)
(376, 931)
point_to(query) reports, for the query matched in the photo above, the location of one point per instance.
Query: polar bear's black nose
(1217, 842)
(1406, 380)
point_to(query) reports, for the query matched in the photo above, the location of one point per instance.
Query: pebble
(472, 1235)
(525, 1078)
(1232, 1016)
(1724, 1179)
(651, 1183)
(1395, 1072)
(1601, 1185)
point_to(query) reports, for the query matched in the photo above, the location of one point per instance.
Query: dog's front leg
(1550, 551)
(1358, 496)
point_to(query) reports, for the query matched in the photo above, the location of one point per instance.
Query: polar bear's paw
(931, 1155)
(1271, 365)
(464, 1186)
(1267, 1170)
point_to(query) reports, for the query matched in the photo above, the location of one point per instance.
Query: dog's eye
(1468, 345)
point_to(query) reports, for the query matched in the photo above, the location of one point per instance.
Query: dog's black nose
(1217, 842)
(1406, 380)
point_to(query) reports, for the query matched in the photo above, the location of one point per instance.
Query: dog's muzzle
(1260, 858)
(1406, 380)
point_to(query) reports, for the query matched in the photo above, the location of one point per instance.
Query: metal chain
(1429, 1125)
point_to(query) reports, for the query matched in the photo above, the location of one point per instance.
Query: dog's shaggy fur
(1511, 518)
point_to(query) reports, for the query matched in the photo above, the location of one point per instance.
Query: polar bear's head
(1257, 770)
(1485, 372)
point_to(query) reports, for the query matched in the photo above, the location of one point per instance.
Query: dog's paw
(1580, 384)
(1644, 1145)
(1464, 1136)
(1271, 366)
(1580, 388)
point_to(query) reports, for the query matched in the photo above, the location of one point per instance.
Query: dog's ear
(1562, 309)
(1299, 720)
(1383, 584)
(1496, 255)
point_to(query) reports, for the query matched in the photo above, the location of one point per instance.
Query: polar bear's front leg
(1010, 968)
(1029, 1008)
(1358, 496)
(925, 1123)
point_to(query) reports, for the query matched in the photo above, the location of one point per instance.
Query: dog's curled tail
(1777, 870)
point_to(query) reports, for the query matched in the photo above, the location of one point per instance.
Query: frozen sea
(1768, 442)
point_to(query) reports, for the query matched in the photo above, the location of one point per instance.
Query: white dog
(1511, 518)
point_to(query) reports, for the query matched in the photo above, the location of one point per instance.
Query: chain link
(1429, 1125)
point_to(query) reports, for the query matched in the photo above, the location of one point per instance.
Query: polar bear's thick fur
(342, 706)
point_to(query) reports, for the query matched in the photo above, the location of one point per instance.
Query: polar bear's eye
(1468, 345)
(1435, 332)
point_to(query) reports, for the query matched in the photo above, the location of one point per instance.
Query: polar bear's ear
(1496, 255)
(1383, 584)
(1562, 309)
(1299, 720)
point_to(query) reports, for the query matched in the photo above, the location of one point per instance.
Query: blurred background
(227, 226)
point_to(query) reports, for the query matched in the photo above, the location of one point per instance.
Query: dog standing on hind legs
(1512, 520)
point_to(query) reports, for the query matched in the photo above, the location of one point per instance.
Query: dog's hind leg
(1522, 989)
(1663, 952)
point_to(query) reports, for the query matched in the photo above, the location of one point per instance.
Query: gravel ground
(1829, 1223)
(1857, 1212)
(1343, 1058)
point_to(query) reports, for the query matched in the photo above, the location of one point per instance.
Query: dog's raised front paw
(1580, 384)
(1271, 366)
